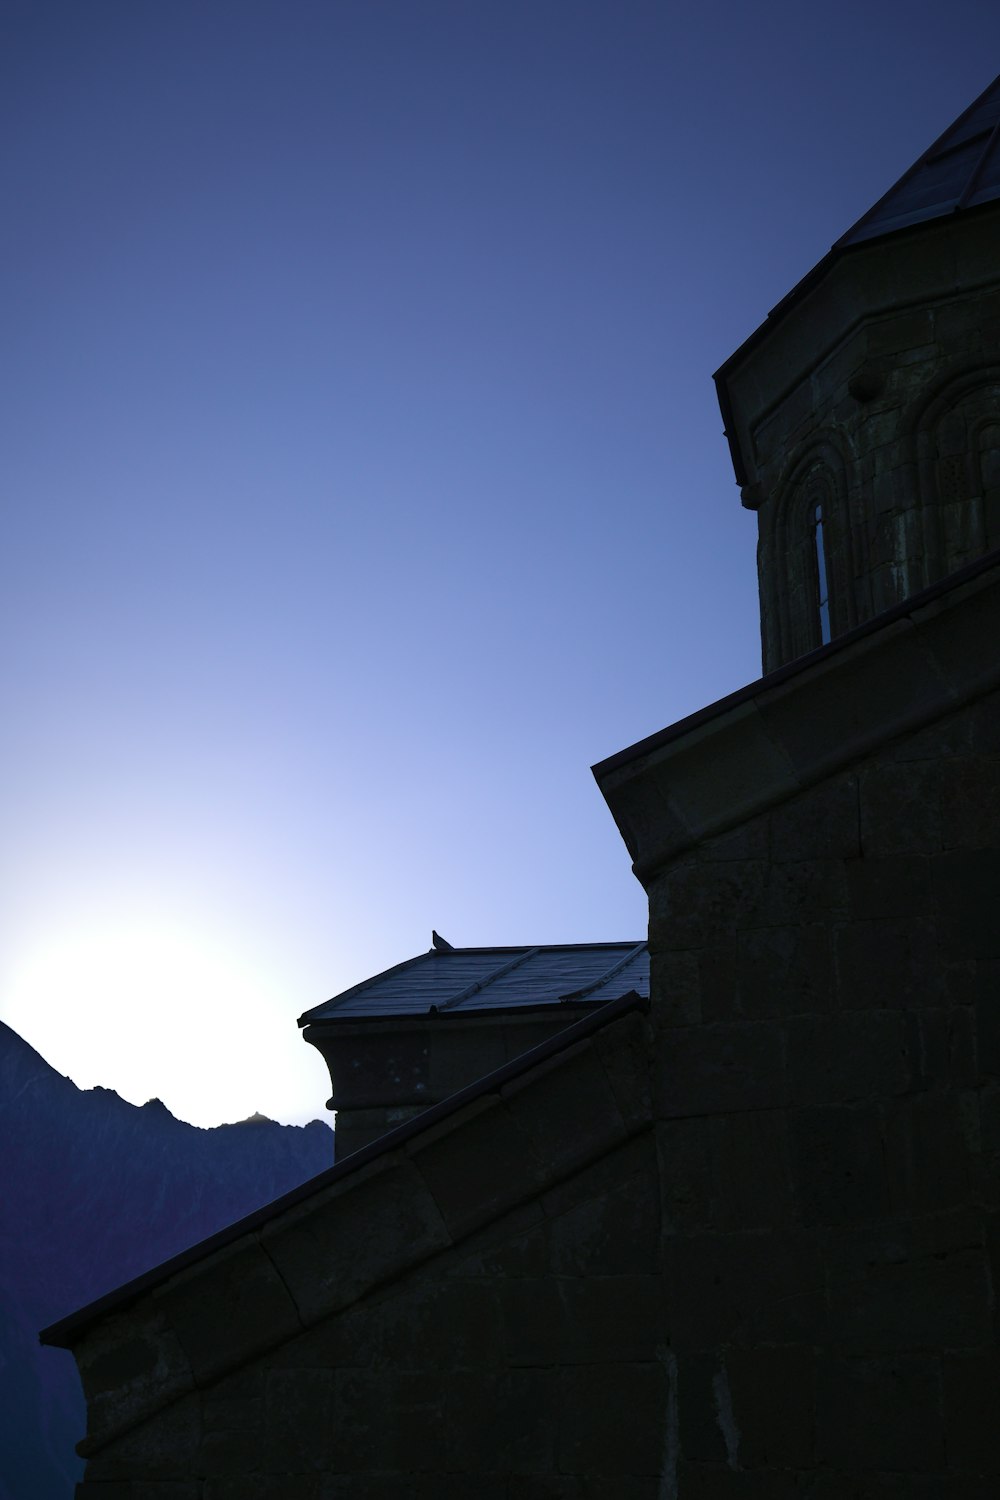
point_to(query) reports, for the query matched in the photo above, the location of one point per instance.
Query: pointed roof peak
(960, 170)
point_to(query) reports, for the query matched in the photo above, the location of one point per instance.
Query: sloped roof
(714, 770)
(960, 170)
(489, 979)
(313, 1251)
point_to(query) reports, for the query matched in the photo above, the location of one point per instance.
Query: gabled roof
(492, 979)
(960, 170)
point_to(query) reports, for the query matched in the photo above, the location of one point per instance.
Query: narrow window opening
(822, 582)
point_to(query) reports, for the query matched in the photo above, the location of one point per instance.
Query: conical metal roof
(960, 170)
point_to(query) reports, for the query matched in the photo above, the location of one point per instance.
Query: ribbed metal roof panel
(960, 170)
(482, 979)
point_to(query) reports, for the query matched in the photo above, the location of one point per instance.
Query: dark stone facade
(826, 1007)
(415, 1328)
(745, 1245)
(874, 395)
(387, 1071)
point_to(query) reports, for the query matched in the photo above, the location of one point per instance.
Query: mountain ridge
(96, 1191)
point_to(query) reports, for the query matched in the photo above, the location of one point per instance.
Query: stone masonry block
(971, 1403)
(851, 1056)
(724, 772)
(970, 802)
(907, 330)
(139, 1489)
(784, 970)
(166, 1446)
(623, 1051)
(130, 1364)
(359, 1232)
(806, 890)
(746, 1288)
(576, 1320)
(606, 1221)
(614, 1427)
(251, 1487)
(915, 1487)
(952, 734)
(718, 980)
(513, 1245)
(693, 905)
(983, 720)
(900, 1286)
(851, 703)
(967, 887)
(898, 885)
(821, 823)
(639, 794)
(960, 641)
(346, 1338)
(987, 1011)
(720, 1068)
(701, 1434)
(900, 809)
(228, 1308)
(544, 1487)
(505, 1424)
(837, 1165)
(942, 1045)
(749, 840)
(301, 1432)
(689, 1187)
(229, 1452)
(544, 1105)
(890, 962)
(678, 985)
(720, 1481)
(881, 1413)
(753, 1175)
(772, 1398)
(929, 1154)
(477, 1164)
(451, 1323)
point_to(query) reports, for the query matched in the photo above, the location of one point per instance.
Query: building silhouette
(739, 1238)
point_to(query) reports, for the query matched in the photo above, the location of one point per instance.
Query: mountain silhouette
(95, 1191)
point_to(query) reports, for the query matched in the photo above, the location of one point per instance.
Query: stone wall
(826, 1000)
(388, 1070)
(875, 396)
(476, 1314)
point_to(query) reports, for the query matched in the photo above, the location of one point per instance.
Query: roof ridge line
(608, 974)
(473, 989)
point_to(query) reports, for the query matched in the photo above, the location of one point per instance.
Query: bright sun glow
(153, 1011)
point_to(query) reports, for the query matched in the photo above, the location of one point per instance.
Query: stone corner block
(567, 1109)
(854, 700)
(368, 1227)
(477, 1164)
(131, 1363)
(228, 1308)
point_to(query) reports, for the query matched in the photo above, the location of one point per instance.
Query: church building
(717, 1214)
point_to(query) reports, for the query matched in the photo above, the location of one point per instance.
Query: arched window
(805, 558)
(822, 576)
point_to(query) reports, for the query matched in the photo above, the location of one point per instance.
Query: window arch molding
(948, 429)
(793, 554)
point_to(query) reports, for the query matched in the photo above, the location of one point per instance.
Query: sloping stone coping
(785, 732)
(412, 1194)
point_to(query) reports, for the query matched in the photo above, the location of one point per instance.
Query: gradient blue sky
(363, 479)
